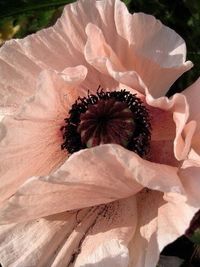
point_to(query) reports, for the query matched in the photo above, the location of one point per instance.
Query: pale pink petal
(191, 181)
(98, 52)
(179, 107)
(129, 78)
(23, 70)
(171, 135)
(161, 220)
(55, 95)
(102, 57)
(177, 214)
(109, 253)
(118, 174)
(31, 142)
(37, 243)
(160, 118)
(104, 241)
(174, 218)
(140, 52)
(192, 95)
(154, 50)
(100, 13)
(28, 148)
(62, 46)
(193, 159)
(144, 251)
(55, 48)
(98, 235)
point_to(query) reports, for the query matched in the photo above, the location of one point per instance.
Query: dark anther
(108, 117)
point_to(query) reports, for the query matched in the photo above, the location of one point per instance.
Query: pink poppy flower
(100, 178)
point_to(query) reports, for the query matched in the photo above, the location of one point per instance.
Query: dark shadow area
(184, 249)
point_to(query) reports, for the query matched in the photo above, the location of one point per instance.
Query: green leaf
(127, 2)
(13, 7)
(196, 236)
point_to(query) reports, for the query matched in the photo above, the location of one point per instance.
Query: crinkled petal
(105, 241)
(55, 95)
(193, 159)
(31, 142)
(96, 236)
(23, 70)
(102, 57)
(144, 251)
(190, 178)
(105, 60)
(98, 52)
(28, 148)
(111, 252)
(172, 134)
(55, 48)
(174, 218)
(38, 242)
(158, 52)
(118, 174)
(179, 108)
(153, 50)
(192, 95)
(189, 174)
(161, 220)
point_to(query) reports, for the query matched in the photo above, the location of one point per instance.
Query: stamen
(117, 117)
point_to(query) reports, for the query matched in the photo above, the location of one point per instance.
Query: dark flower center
(108, 121)
(117, 117)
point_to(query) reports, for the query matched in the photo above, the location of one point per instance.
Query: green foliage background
(22, 17)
